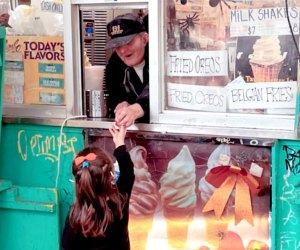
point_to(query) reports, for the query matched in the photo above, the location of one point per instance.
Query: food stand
(216, 166)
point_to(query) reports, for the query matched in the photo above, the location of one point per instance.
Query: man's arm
(114, 75)
(143, 101)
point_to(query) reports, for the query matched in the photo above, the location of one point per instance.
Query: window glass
(231, 56)
(34, 67)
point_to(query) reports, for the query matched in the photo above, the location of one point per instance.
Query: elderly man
(127, 72)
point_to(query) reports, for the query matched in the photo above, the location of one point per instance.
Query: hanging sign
(263, 22)
(194, 97)
(261, 95)
(197, 63)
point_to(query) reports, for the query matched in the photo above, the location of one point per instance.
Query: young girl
(98, 219)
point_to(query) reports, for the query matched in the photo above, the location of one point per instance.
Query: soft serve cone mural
(178, 197)
(143, 202)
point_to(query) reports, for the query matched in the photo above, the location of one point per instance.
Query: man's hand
(126, 115)
(120, 106)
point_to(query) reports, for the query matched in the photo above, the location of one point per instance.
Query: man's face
(132, 53)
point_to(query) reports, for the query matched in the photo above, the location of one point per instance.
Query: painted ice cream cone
(139, 227)
(143, 201)
(178, 222)
(221, 156)
(266, 60)
(178, 197)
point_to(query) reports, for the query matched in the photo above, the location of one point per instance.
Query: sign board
(34, 72)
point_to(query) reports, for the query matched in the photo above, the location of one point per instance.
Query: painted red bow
(225, 179)
(89, 157)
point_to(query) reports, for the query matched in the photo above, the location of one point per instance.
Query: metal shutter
(100, 21)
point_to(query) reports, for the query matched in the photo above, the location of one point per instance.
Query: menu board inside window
(232, 56)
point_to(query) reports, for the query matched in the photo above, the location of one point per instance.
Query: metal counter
(103, 123)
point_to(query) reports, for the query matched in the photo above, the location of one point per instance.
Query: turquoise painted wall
(29, 218)
(36, 188)
(286, 195)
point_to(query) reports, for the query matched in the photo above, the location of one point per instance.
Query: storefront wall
(36, 188)
(170, 169)
(207, 177)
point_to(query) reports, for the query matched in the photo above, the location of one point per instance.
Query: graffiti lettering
(292, 161)
(39, 145)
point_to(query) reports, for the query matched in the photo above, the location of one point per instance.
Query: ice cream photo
(178, 197)
(267, 59)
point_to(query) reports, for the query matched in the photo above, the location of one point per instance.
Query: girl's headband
(84, 160)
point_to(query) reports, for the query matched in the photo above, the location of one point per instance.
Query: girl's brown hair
(90, 214)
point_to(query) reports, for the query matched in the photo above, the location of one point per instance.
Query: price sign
(263, 22)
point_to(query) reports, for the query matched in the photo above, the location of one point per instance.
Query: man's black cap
(123, 28)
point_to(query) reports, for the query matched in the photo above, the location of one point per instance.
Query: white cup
(94, 76)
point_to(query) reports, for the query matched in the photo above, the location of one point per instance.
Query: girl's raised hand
(118, 134)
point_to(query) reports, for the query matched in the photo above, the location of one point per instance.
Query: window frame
(160, 115)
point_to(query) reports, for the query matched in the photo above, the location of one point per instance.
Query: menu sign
(196, 97)
(34, 70)
(197, 63)
(264, 21)
(261, 95)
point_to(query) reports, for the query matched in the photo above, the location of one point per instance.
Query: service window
(228, 63)
(86, 36)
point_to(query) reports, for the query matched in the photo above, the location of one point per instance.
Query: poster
(34, 70)
(170, 206)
